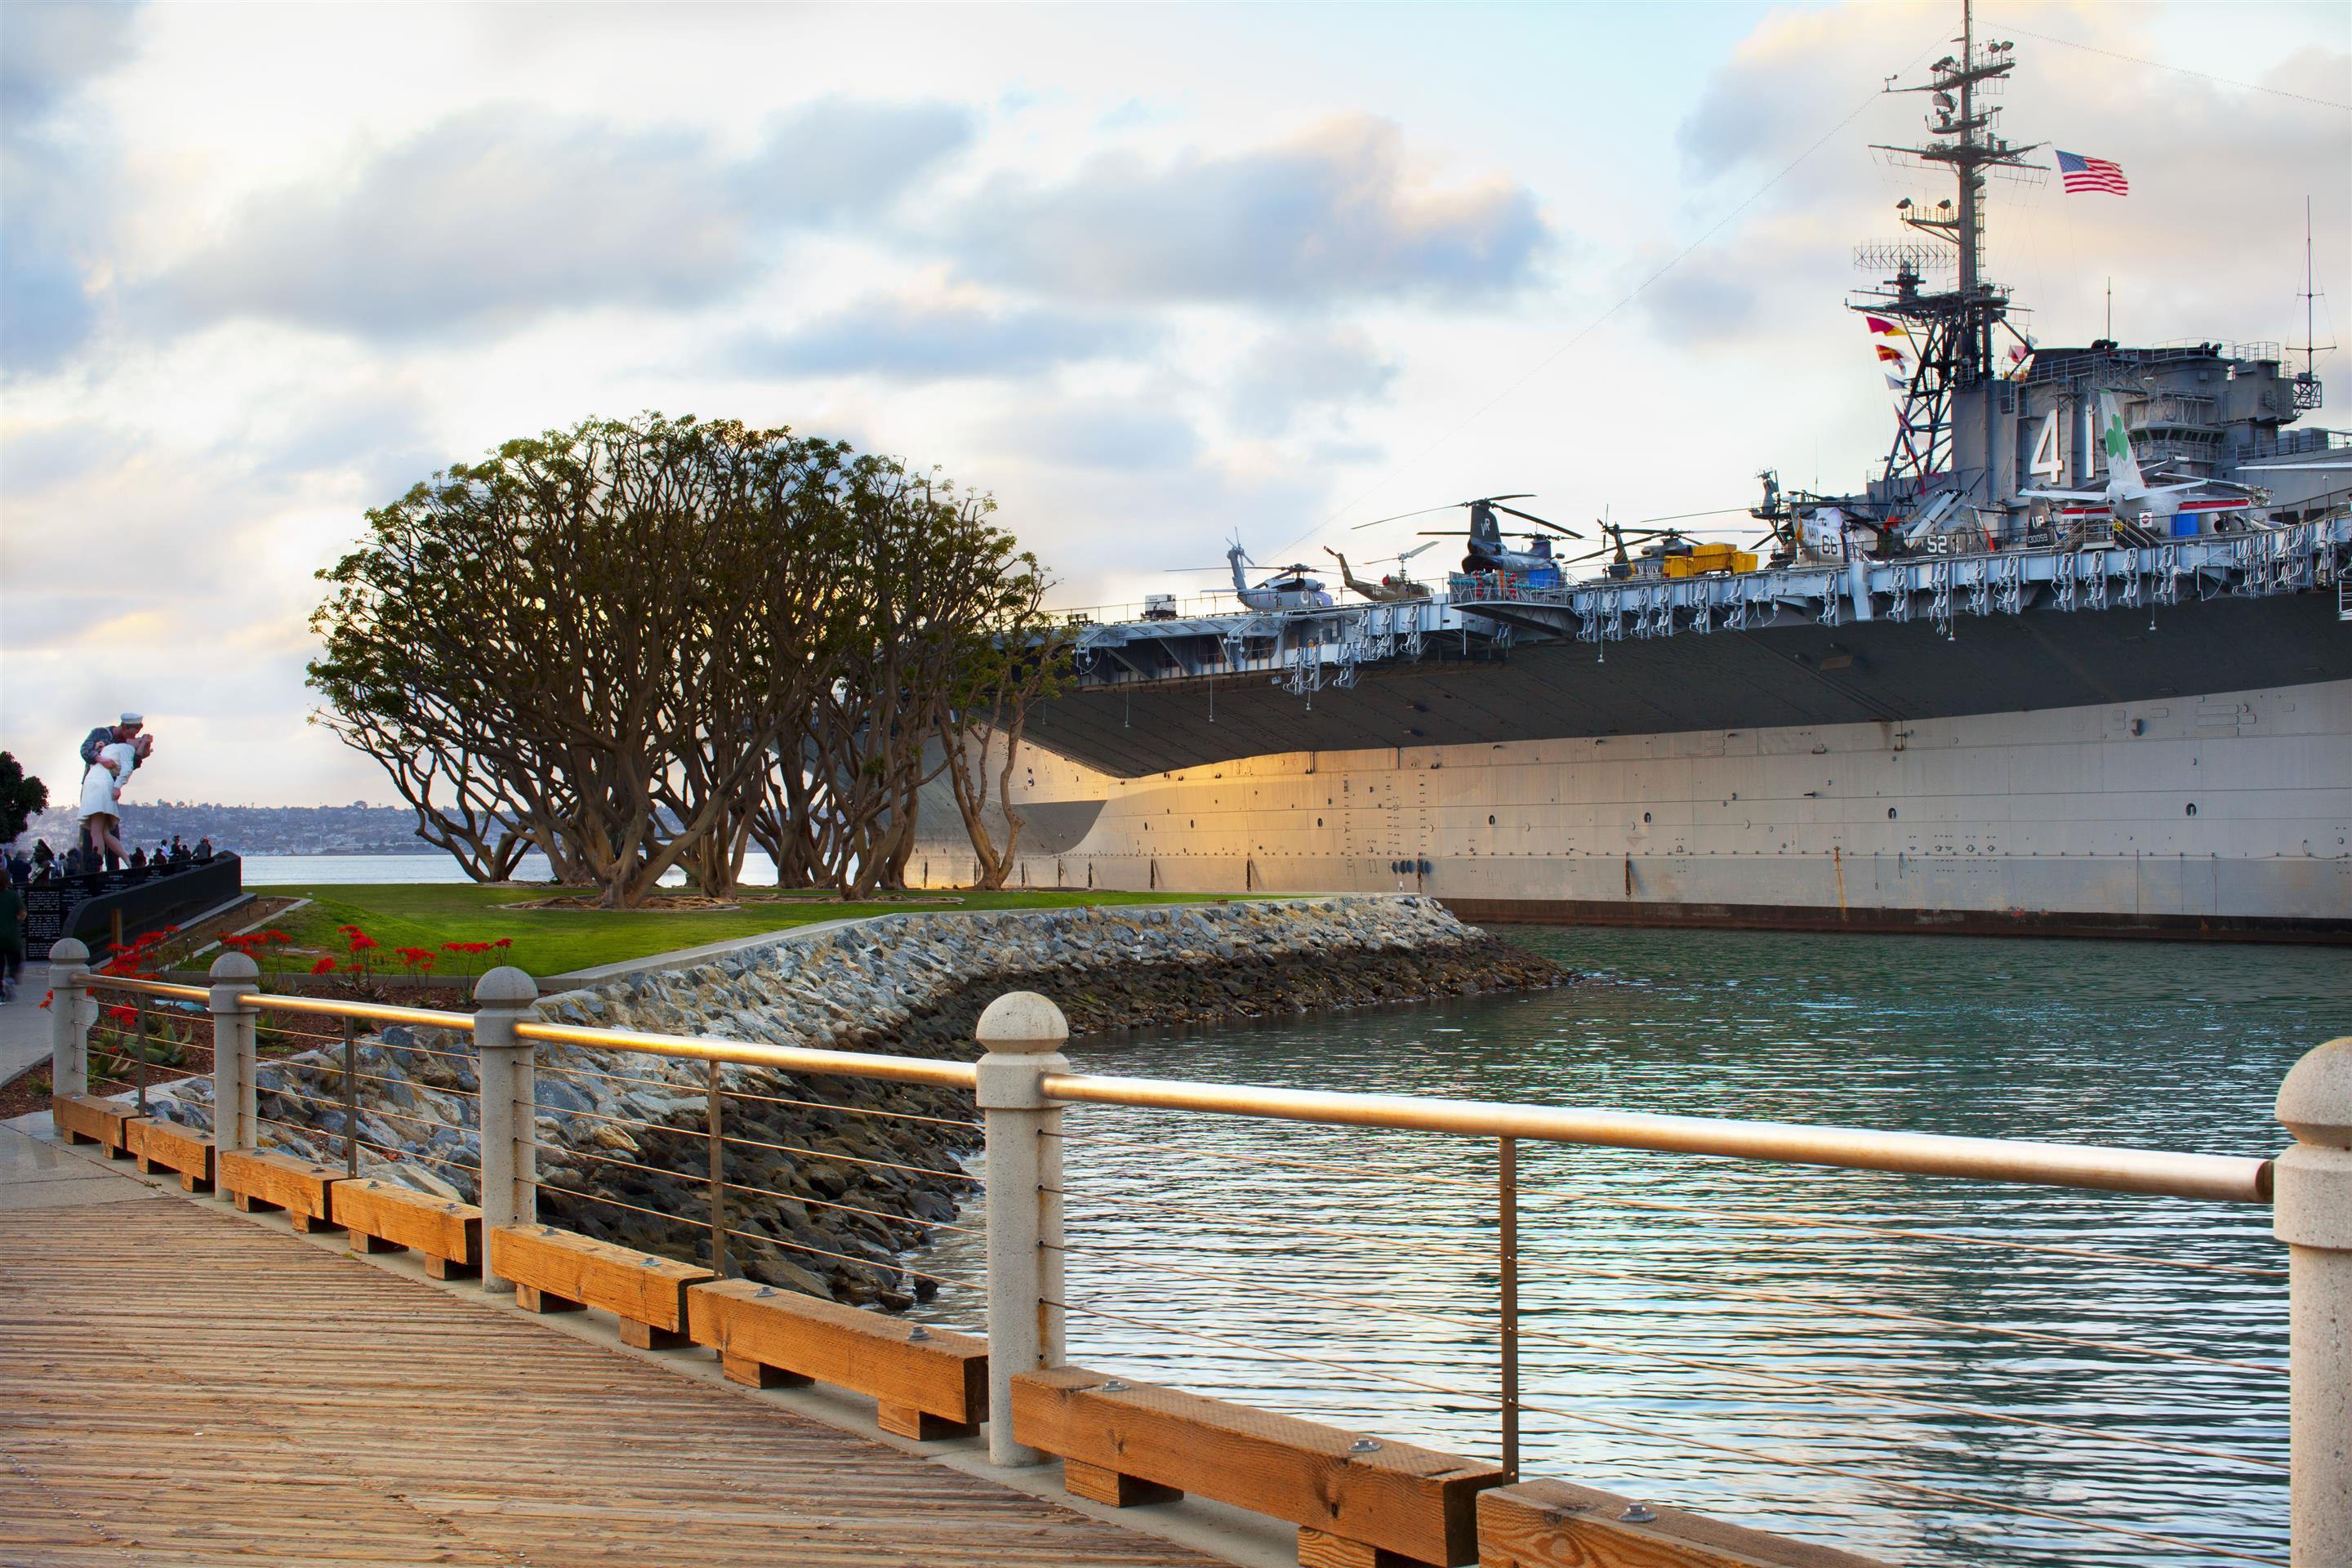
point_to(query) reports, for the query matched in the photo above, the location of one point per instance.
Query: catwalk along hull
(2195, 780)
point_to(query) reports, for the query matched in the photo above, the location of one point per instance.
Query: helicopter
(1390, 590)
(1290, 588)
(1488, 552)
(1659, 545)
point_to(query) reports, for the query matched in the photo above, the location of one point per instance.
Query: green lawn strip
(556, 941)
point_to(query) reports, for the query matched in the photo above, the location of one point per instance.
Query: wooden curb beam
(167, 1145)
(927, 1383)
(383, 1218)
(257, 1179)
(1556, 1524)
(1358, 1502)
(556, 1271)
(86, 1119)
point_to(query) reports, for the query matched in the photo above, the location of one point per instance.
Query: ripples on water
(1702, 1331)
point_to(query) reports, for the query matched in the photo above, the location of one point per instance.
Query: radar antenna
(2306, 385)
(1951, 330)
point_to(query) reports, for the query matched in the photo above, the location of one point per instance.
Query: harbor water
(1936, 1372)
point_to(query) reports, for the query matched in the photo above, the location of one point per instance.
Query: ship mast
(1952, 330)
(2306, 385)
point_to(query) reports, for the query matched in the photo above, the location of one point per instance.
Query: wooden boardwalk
(180, 1385)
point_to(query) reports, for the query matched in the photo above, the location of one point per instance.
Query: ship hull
(2165, 808)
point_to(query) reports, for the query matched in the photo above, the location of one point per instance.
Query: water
(338, 870)
(1700, 1331)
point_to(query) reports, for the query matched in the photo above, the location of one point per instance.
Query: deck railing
(1021, 1087)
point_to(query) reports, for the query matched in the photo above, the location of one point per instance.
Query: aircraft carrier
(2078, 660)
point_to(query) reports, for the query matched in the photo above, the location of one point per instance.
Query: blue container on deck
(2185, 525)
(1543, 577)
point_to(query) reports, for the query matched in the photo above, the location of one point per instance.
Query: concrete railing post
(1022, 1034)
(510, 1183)
(69, 1026)
(237, 1109)
(2312, 1212)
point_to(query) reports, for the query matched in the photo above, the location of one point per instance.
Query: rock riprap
(831, 1181)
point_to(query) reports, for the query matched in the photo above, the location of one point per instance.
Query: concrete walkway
(37, 1173)
(23, 1025)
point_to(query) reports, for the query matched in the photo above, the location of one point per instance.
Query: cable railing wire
(1614, 1348)
(765, 1099)
(1251, 1222)
(893, 1271)
(1802, 1218)
(1768, 1461)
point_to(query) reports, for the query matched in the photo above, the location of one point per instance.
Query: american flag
(2083, 174)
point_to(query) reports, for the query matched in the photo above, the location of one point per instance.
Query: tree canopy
(20, 798)
(640, 645)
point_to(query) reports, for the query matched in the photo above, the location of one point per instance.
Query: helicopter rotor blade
(1542, 522)
(1680, 516)
(1415, 550)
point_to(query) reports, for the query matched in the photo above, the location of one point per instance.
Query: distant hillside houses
(358, 828)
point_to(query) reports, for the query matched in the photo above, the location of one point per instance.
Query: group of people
(45, 864)
(111, 754)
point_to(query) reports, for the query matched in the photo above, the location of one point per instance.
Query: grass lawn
(557, 941)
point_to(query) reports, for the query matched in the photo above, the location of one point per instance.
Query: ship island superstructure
(2078, 659)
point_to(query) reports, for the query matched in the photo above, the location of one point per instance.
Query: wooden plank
(532, 1298)
(377, 1425)
(303, 1188)
(1320, 1549)
(86, 1119)
(757, 1374)
(1109, 1487)
(167, 1145)
(943, 1375)
(383, 1217)
(634, 1286)
(1558, 1524)
(1416, 1503)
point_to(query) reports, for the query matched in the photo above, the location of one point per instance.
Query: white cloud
(505, 213)
(902, 338)
(1286, 374)
(1336, 213)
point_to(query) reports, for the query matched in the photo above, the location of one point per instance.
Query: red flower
(324, 966)
(453, 947)
(277, 936)
(363, 942)
(47, 996)
(125, 1016)
(504, 942)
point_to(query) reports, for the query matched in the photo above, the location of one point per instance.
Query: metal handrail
(322, 1007)
(2149, 1171)
(2153, 1173)
(793, 1058)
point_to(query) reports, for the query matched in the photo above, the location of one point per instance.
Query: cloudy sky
(1151, 274)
